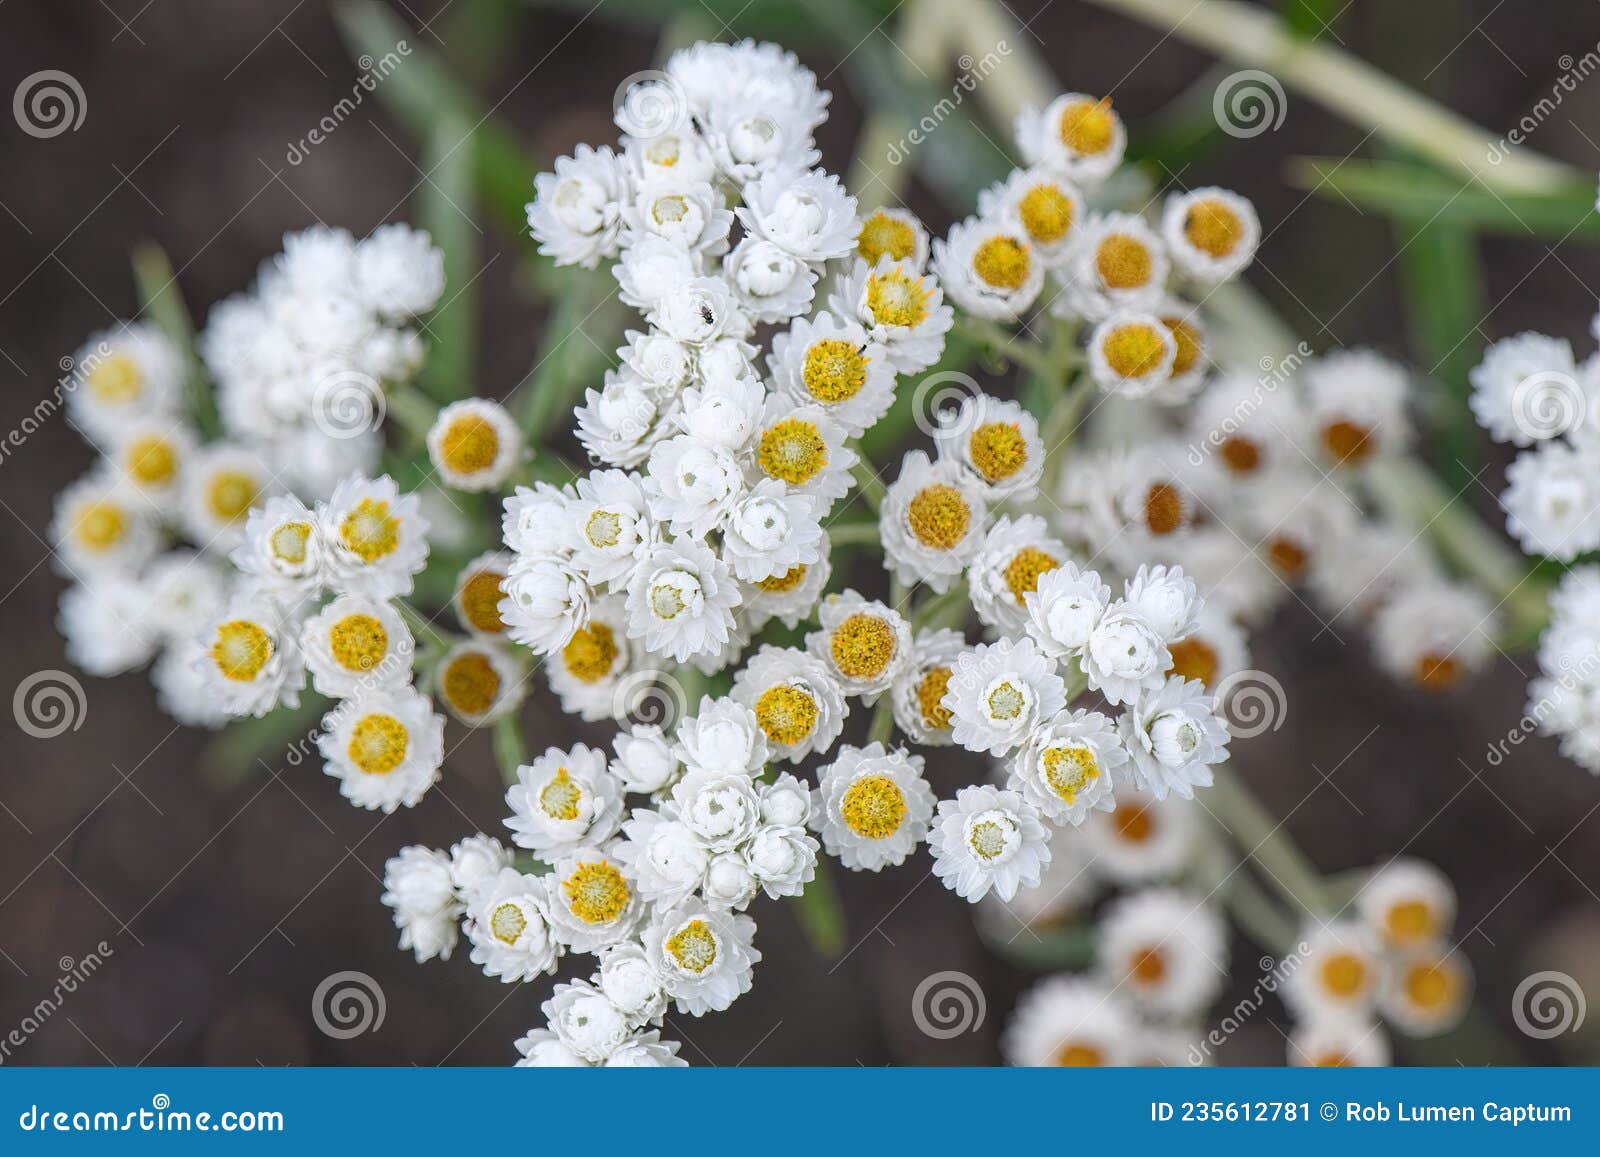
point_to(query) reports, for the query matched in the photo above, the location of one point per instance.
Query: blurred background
(224, 898)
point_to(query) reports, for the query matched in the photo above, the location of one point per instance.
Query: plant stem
(412, 410)
(1263, 839)
(422, 626)
(882, 729)
(509, 751)
(858, 532)
(872, 487)
(820, 914)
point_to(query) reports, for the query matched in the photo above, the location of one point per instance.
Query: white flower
(987, 838)
(282, 549)
(789, 597)
(129, 371)
(796, 701)
(1211, 233)
(576, 211)
(221, 485)
(1363, 564)
(726, 410)
(1338, 973)
(1434, 633)
(1074, 134)
(1126, 654)
(692, 484)
(773, 285)
(998, 441)
(399, 271)
(1015, 556)
(1039, 202)
(688, 214)
(385, 749)
(729, 882)
(872, 806)
(629, 981)
(1132, 353)
(932, 521)
(901, 308)
(1339, 1044)
(1166, 950)
(804, 449)
(181, 689)
(719, 807)
(589, 671)
(563, 801)
(1065, 768)
(250, 659)
(703, 956)
(652, 269)
(645, 762)
(894, 233)
(723, 738)
(479, 681)
(355, 645)
(770, 530)
(782, 859)
(417, 886)
(546, 602)
(864, 644)
(103, 527)
(477, 860)
(509, 926)
(681, 600)
(375, 539)
(661, 149)
(703, 311)
(1167, 599)
(750, 138)
(989, 268)
(1357, 404)
(593, 901)
(151, 454)
(620, 423)
(179, 589)
(831, 364)
(1069, 1022)
(1428, 990)
(474, 444)
(1141, 838)
(587, 1023)
(667, 859)
(535, 521)
(103, 624)
(1552, 500)
(1527, 388)
(1407, 903)
(1174, 737)
(1063, 609)
(1117, 263)
(808, 215)
(998, 692)
(918, 694)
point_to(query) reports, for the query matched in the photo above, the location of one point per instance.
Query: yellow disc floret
(1007, 701)
(358, 642)
(597, 893)
(788, 714)
(115, 378)
(1123, 262)
(287, 542)
(480, 601)
(100, 525)
(241, 648)
(862, 646)
(1088, 127)
(1190, 344)
(378, 743)
(1213, 227)
(885, 236)
(1003, 263)
(896, 298)
(998, 450)
(1163, 508)
(470, 683)
(369, 531)
(873, 807)
(507, 923)
(1134, 349)
(693, 947)
(469, 445)
(151, 460)
(834, 370)
(1079, 1056)
(1068, 769)
(782, 584)
(1348, 442)
(231, 494)
(1410, 922)
(1343, 974)
(591, 653)
(1046, 213)
(792, 450)
(939, 517)
(1194, 658)
(1023, 571)
(1432, 985)
(560, 798)
(931, 689)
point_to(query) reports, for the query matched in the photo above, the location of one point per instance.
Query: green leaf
(820, 913)
(445, 204)
(1419, 194)
(161, 301)
(1313, 18)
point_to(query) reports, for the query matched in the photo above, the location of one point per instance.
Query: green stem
(882, 729)
(422, 626)
(872, 488)
(411, 409)
(858, 532)
(1263, 839)
(820, 913)
(1024, 353)
(509, 751)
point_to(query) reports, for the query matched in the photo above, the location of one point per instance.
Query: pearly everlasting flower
(1117, 264)
(1165, 950)
(375, 538)
(1357, 407)
(803, 448)
(219, 489)
(1528, 388)
(1339, 1044)
(703, 956)
(621, 423)
(702, 312)
(832, 365)
(918, 694)
(693, 484)
(865, 645)
(103, 624)
(1552, 500)
(1016, 554)
(1077, 135)
(1428, 991)
(1211, 233)
(1063, 609)
(989, 268)
(996, 440)
(181, 689)
(1071, 1023)
(932, 521)
(474, 444)
(770, 531)
(1215, 649)
(508, 924)
(593, 901)
(729, 882)
(563, 801)
(354, 645)
(1066, 767)
(796, 701)
(282, 550)
(901, 309)
(1167, 599)
(545, 603)
(630, 982)
(102, 526)
(988, 838)
(129, 371)
(724, 738)
(894, 233)
(418, 887)
(250, 659)
(788, 597)
(1174, 737)
(645, 761)
(150, 455)
(999, 692)
(719, 808)
(477, 860)
(576, 213)
(1142, 838)
(666, 857)
(590, 670)
(479, 682)
(872, 806)
(399, 271)
(725, 411)
(781, 859)
(1435, 633)
(585, 1021)
(1339, 975)
(809, 215)
(1039, 201)
(385, 748)
(535, 522)
(1132, 354)
(1125, 656)
(1407, 904)
(687, 214)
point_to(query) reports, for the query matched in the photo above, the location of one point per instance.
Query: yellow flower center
(1193, 658)
(507, 923)
(591, 654)
(930, 698)
(115, 378)
(151, 460)
(559, 799)
(998, 449)
(1213, 227)
(1023, 571)
(1348, 442)
(480, 602)
(1131, 823)
(469, 445)
(369, 531)
(885, 236)
(793, 450)
(1240, 454)
(358, 642)
(1079, 1056)
(1287, 556)
(1344, 974)
(470, 683)
(835, 370)
(231, 494)
(288, 542)
(1133, 350)
(378, 743)
(1087, 127)
(862, 646)
(1069, 769)
(1437, 672)
(1191, 346)
(873, 807)
(663, 151)
(1147, 966)
(786, 713)
(693, 947)
(1007, 701)
(1410, 921)
(987, 839)
(1046, 213)
(597, 893)
(1003, 263)
(782, 584)
(1123, 262)
(939, 517)
(241, 648)
(893, 298)
(1431, 986)
(670, 210)
(1163, 508)
(666, 601)
(604, 529)
(100, 525)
